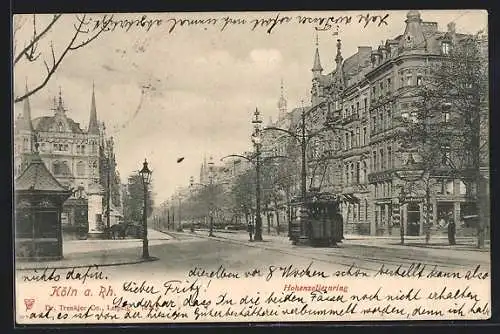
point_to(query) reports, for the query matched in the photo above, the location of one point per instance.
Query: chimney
(451, 27)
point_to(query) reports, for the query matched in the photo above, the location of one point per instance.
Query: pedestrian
(250, 230)
(451, 232)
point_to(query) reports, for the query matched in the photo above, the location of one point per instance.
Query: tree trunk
(277, 213)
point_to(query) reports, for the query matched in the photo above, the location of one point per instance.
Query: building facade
(365, 96)
(72, 154)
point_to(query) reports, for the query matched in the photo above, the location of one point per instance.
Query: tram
(317, 221)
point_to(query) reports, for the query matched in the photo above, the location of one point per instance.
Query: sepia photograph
(288, 166)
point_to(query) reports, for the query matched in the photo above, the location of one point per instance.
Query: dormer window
(419, 79)
(408, 79)
(60, 127)
(445, 48)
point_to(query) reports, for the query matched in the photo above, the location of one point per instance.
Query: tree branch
(51, 69)
(36, 38)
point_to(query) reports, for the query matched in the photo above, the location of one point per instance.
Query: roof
(36, 177)
(44, 124)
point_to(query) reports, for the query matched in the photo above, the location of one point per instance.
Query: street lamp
(145, 174)
(303, 138)
(257, 142)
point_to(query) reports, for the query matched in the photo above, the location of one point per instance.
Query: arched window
(60, 127)
(65, 168)
(352, 173)
(56, 168)
(80, 168)
(365, 171)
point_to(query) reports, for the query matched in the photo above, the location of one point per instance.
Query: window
(60, 127)
(445, 48)
(408, 79)
(446, 116)
(365, 167)
(346, 168)
(375, 166)
(365, 104)
(351, 168)
(358, 139)
(364, 136)
(357, 171)
(446, 154)
(357, 108)
(419, 79)
(449, 187)
(374, 91)
(376, 190)
(43, 147)
(381, 87)
(374, 124)
(56, 168)
(346, 141)
(382, 161)
(389, 157)
(462, 188)
(389, 88)
(80, 168)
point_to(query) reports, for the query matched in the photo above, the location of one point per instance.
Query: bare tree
(82, 36)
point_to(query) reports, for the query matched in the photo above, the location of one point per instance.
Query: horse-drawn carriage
(317, 221)
(124, 230)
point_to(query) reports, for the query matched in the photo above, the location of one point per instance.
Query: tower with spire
(24, 136)
(338, 75)
(282, 104)
(93, 123)
(317, 70)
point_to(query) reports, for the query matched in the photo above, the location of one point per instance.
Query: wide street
(235, 252)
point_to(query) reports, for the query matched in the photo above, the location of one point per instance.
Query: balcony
(350, 118)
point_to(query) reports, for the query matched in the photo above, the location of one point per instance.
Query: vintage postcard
(251, 166)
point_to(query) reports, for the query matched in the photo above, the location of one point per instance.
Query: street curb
(151, 259)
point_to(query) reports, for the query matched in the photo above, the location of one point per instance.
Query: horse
(118, 231)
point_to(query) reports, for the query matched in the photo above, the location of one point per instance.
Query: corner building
(71, 154)
(365, 95)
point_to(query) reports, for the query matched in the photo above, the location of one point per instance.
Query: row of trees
(134, 199)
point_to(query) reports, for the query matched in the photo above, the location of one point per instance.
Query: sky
(167, 90)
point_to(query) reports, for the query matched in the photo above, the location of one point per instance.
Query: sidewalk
(84, 253)
(438, 247)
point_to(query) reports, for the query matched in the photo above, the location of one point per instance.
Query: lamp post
(108, 189)
(303, 138)
(257, 141)
(145, 174)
